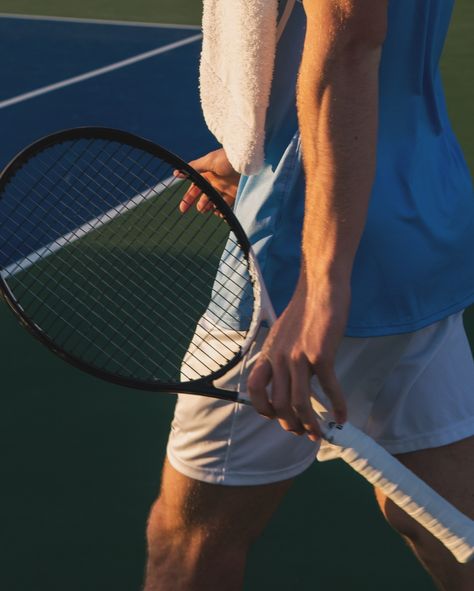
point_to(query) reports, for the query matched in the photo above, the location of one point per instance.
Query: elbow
(367, 36)
(348, 27)
(359, 49)
(362, 31)
(366, 47)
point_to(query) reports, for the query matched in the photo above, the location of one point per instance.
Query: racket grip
(451, 527)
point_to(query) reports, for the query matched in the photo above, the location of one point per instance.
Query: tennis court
(81, 458)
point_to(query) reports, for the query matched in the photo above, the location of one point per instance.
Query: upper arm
(346, 23)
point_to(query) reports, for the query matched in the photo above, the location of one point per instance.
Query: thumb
(203, 164)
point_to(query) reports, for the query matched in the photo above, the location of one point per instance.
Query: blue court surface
(65, 73)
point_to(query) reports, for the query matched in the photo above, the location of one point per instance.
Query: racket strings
(157, 266)
(200, 229)
(77, 331)
(235, 295)
(184, 229)
(55, 281)
(122, 336)
(179, 235)
(43, 175)
(215, 351)
(229, 279)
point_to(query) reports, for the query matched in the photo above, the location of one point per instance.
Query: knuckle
(300, 406)
(297, 357)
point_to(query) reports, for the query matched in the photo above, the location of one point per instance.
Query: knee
(400, 521)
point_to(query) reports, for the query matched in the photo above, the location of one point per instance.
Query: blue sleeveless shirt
(414, 263)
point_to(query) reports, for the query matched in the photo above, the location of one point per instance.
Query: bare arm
(337, 109)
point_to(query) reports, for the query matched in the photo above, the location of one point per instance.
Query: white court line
(99, 72)
(95, 21)
(79, 232)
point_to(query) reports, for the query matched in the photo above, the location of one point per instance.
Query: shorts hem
(225, 478)
(439, 438)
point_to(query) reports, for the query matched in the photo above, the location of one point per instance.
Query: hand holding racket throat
(100, 265)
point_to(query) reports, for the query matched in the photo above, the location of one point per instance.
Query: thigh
(450, 471)
(237, 511)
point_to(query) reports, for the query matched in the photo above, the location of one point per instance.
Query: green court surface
(81, 458)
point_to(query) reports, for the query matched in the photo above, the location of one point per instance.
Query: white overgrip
(451, 527)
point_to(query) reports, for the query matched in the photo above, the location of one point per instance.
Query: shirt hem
(392, 329)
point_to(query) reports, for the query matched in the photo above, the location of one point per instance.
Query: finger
(204, 204)
(301, 397)
(331, 387)
(257, 383)
(179, 174)
(281, 398)
(189, 198)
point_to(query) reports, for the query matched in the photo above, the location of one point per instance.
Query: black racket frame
(201, 386)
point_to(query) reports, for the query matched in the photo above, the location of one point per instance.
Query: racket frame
(202, 386)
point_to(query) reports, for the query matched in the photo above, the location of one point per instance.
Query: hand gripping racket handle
(403, 487)
(446, 523)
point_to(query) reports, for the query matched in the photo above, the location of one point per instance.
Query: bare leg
(450, 471)
(199, 534)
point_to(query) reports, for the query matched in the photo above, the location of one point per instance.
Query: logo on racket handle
(329, 436)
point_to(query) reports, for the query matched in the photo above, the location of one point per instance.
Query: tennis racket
(99, 265)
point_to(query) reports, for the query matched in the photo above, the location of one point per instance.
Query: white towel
(237, 61)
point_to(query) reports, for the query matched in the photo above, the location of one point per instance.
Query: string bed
(97, 255)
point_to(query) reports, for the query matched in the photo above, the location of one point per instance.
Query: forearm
(338, 114)
(337, 106)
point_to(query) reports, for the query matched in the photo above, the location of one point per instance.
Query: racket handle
(403, 487)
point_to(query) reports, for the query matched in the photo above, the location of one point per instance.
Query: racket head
(44, 191)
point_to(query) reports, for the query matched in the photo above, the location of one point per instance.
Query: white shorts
(409, 392)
